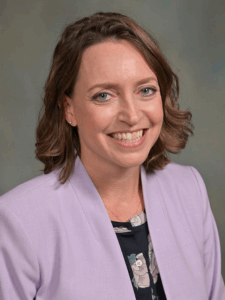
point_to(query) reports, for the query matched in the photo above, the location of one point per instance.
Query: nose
(129, 111)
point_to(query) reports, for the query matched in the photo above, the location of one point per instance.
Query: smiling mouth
(128, 136)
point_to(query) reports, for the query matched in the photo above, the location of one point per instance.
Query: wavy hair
(57, 143)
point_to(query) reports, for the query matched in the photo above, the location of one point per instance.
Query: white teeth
(128, 137)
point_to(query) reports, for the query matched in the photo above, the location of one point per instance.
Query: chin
(132, 163)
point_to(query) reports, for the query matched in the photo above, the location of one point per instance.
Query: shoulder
(175, 174)
(35, 203)
(33, 190)
(181, 182)
(175, 170)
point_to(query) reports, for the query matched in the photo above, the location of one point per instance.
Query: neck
(119, 187)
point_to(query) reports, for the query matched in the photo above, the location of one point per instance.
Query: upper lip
(127, 131)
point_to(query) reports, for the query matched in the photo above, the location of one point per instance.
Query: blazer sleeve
(19, 270)
(212, 251)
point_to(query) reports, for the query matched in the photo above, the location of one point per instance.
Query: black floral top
(137, 249)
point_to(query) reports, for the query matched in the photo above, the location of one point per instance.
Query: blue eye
(153, 90)
(97, 96)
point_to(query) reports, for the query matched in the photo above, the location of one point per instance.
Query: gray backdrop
(192, 36)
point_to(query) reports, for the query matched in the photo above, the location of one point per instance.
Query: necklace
(141, 199)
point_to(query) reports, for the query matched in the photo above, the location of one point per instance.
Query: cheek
(156, 113)
(93, 119)
(160, 116)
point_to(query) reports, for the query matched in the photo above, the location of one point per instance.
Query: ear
(69, 111)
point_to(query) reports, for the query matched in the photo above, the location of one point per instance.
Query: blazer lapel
(179, 262)
(101, 226)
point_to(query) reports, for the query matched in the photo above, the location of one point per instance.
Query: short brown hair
(57, 143)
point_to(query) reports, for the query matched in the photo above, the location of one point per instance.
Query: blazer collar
(172, 253)
(100, 224)
(95, 210)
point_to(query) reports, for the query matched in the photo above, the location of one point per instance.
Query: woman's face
(110, 98)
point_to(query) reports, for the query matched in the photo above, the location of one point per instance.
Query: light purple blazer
(57, 241)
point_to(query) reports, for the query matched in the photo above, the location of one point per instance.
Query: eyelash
(104, 93)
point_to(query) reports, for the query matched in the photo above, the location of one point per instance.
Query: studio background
(191, 35)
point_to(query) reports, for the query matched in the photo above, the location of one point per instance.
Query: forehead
(113, 60)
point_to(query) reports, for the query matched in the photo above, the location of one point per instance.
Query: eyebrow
(113, 85)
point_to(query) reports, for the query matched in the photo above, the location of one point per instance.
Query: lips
(121, 132)
(128, 143)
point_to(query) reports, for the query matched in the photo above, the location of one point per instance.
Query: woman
(111, 217)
